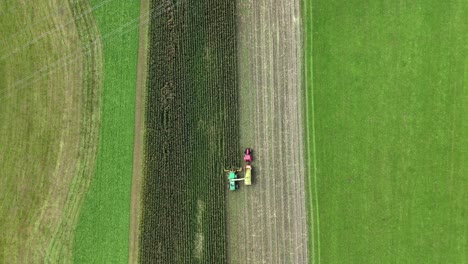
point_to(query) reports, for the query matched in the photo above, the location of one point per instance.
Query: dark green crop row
(191, 133)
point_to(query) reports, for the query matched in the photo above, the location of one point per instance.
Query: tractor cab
(233, 185)
(232, 175)
(232, 179)
(247, 155)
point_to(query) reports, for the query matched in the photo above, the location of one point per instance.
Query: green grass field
(387, 104)
(103, 227)
(48, 128)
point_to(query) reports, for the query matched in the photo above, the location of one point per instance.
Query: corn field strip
(191, 132)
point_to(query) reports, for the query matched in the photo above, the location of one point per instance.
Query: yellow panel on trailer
(248, 175)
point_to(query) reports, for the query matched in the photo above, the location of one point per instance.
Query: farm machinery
(248, 155)
(248, 167)
(232, 173)
(232, 178)
(248, 175)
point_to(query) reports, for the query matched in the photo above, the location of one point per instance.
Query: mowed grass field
(102, 233)
(388, 130)
(48, 127)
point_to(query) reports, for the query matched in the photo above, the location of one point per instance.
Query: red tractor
(248, 155)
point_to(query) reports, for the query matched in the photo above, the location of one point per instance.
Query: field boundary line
(310, 94)
(273, 82)
(266, 63)
(139, 132)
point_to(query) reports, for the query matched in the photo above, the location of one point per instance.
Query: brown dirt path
(267, 221)
(138, 143)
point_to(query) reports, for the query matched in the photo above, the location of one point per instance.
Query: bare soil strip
(267, 221)
(138, 145)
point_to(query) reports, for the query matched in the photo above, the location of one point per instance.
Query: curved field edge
(308, 106)
(102, 232)
(52, 119)
(139, 133)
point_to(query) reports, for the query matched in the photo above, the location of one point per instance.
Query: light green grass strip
(313, 219)
(103, 226)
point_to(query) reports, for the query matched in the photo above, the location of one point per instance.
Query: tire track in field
(274, 231)
(301, 197)
(278, 102)
(268, 98)
(298, 198)
(259, 240)
(278, 79)
(271, 82)
(286, 171)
